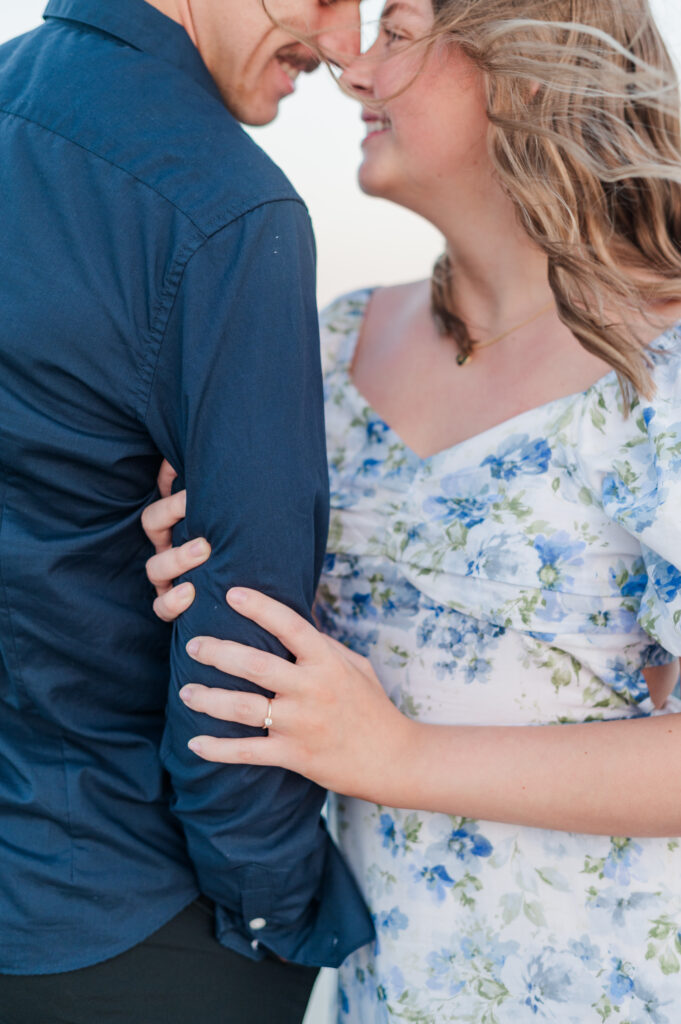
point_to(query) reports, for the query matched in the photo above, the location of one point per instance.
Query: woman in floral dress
(503, 569)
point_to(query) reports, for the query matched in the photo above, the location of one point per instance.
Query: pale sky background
(361, 241)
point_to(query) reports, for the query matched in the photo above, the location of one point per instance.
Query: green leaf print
(598, 419)
(593, 866)
(603, 1008)
(512, 903)
(560, 678)
(553, 877)
(627, 475)
(669, 962)
(412, 828)
(662, 928)
(534, 913)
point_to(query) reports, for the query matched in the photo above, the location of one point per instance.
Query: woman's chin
(372, 183)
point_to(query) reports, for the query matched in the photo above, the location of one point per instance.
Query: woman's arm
(333, 723)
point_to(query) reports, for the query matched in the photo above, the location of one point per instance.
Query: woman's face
(424, 109)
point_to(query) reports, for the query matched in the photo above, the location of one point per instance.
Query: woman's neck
(498, 273)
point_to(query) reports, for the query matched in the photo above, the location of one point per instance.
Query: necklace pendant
(462, 358)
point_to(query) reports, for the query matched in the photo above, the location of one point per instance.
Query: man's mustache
(299, 57)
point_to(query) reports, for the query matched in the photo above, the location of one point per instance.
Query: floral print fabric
(522, 577)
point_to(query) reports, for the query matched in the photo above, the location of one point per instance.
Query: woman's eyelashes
(391, 34)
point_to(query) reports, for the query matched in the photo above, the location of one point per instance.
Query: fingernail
(195, 746)
(193, 648)
(236, 596)
(186, 694)
(184, 590)
(199, 547)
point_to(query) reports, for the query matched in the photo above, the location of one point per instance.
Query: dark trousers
(180, 975)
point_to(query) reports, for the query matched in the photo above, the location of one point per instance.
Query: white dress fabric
(522, 577)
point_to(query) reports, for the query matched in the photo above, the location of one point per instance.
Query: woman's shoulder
(342, 320)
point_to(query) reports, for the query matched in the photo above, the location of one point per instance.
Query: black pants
(180, 975)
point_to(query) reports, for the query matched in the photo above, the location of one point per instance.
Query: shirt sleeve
(236, 407)
(641, 490)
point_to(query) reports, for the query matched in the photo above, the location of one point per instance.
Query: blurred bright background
(361, 241)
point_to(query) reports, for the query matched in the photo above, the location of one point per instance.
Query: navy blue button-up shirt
(156, 299)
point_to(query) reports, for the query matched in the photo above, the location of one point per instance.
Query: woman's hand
(331, 719)
(158, 520)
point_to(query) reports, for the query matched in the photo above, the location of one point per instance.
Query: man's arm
(236, 406)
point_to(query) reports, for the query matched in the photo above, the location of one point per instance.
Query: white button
(257, 923)
(255, 944)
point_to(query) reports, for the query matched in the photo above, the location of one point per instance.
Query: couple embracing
(488, 685)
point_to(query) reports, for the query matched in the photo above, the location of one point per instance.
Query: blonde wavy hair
(585, 135)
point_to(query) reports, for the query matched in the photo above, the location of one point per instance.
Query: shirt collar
(140, 25)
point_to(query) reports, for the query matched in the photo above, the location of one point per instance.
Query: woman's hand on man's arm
(158, 520)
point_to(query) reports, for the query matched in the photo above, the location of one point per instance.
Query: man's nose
(340, 31)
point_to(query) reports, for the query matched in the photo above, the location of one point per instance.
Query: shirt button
(257, 923)
(255, 944)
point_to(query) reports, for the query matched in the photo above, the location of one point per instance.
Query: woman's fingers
(266, 670)
(173, 602)
(296, 634)
(261, 751)
(167, 565)
(159, 518)
(164, 481)
(233, 706)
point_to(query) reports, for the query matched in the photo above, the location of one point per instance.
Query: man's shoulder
(144, 117)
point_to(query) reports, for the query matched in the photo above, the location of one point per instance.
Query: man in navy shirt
(157, 297)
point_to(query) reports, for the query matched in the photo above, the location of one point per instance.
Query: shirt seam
(104, 159)
(205, 234)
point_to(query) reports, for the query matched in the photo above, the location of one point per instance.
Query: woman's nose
(339, 35)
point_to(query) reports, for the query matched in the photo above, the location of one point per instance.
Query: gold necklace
(462, 358)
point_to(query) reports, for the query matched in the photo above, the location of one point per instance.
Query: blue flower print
(619, 907)
(548, 979)
(620, 864)
(625, 680)
(463, 842)
(633, 502)
(518, 455)
(555, 554)
(461, 500)
(487, 951)
(666, 579)
(362, 607)
(620, 982)
(400, 600)
(630, 581)
(436, 878)
(386, 828)
(361, 643)
(376, 430)
(477, 670)
(442, 972)
(467, 843)
(588, 953)
(446, 638)
(391, 921)
(370, 467)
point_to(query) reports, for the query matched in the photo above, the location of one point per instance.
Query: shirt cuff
(335, 924)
